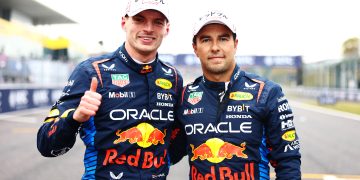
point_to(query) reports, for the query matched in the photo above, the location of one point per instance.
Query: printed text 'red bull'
(149, 161)
(223, 173)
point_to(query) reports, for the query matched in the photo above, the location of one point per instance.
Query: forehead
(151, 13)
(214, 29)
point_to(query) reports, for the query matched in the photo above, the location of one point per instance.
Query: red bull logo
(143, 134)
(146, 69)
(216, 150)
(147, 161)
(228, 150)
(156, 136)
(133, 135)
(202, 152)
(224, 173)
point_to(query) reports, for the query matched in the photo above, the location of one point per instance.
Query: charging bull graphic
(143, 134)
(216, 150)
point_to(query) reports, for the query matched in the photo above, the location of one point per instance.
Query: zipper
(222, 103)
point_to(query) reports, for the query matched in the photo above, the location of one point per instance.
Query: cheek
(199, 53)
(164, 32)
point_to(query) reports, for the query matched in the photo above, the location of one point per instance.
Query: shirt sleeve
(177, 148)
(58, 133)
(282, 139)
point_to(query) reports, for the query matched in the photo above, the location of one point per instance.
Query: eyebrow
(207, 36)
(225, 35)
(141, 16)
(204, 36)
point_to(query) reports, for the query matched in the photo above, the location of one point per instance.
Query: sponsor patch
(284, 107)
(163, 83)
(239, 96)
(285, 125)
(108, 68)
(146, 69)
(216, 150)
(126, 94)
(193, 111)
(167, 72)
(289, 135)
(292, 146)
(195, 97)
(120, 80)
(250, 86)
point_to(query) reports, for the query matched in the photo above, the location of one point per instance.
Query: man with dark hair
(233, 123)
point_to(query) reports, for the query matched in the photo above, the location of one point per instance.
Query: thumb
(94, 84)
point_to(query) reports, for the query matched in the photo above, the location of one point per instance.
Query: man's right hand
(89, 103)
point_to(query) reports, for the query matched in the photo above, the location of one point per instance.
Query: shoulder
(195, 84)
(261, 80)
(169, 68)
(90, 63)
(266, 89)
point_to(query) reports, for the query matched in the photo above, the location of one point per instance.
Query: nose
(149, 27)
(215, 47)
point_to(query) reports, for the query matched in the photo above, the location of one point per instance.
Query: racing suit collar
(122, 54)
(237, 73)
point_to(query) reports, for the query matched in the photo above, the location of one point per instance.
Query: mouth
(147, 39)
(216, 57)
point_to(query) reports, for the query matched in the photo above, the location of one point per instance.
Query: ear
(123, 22)
(195, 49)
(236, 43)
(167, 29)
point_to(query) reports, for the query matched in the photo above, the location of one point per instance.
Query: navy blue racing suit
(129, 136)
(233, 130)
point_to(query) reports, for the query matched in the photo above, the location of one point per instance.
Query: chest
(209, 113)
(130, 96)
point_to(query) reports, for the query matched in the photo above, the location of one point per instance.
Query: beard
(218, 69)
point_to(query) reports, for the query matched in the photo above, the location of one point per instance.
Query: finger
(94, 84)
(94, 95)
(85, 112)
(85, 107)
(91, 107)
(93, 102)
(89, 100)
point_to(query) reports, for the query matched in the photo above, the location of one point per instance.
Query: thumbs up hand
(89, 103)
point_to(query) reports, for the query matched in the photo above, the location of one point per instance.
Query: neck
(218, 77)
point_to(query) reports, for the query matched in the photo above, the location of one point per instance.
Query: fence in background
(327, 94)
(13, 99)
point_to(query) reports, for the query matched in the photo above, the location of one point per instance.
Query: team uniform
(129, 136)
(235, 129)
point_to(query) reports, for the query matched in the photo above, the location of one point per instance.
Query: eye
(160, 22)
(204, 40)
(138, 19)
(224, 38)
